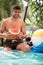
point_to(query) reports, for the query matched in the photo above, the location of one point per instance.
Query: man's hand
(20, 35)
(2, 35)
(7, 35)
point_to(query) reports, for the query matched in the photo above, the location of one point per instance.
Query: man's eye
(15, 11)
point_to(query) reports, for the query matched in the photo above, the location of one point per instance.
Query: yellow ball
(37, 37)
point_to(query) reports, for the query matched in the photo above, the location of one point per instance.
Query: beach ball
(37, 37)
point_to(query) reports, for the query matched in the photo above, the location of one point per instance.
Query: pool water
(20, 58)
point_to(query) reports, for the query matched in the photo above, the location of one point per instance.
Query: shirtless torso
(11, 23)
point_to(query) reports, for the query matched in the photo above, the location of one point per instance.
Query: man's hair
(16, 7)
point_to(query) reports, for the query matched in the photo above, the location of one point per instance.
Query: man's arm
(23, 29)
(2, 28)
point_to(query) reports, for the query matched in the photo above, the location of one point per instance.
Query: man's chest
(13, 25)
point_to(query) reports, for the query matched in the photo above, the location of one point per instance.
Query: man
(14, 41)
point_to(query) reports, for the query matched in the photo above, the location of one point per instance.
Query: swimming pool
(20, 58)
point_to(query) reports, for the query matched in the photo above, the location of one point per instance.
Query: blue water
(20, 58)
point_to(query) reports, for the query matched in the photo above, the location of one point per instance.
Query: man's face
(15, 13)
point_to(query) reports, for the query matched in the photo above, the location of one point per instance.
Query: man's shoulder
(21, 21)
(6, 19)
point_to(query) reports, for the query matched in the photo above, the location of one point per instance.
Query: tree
(35, 12)
(5, 7)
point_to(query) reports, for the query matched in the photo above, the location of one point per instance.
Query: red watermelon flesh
(14, 31)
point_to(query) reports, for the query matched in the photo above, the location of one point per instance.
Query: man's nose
(17, 12)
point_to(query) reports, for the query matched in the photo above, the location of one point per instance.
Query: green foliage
(26, 0)
(5, 7)
(36, 12)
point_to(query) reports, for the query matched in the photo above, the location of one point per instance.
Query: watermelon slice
(14, 31)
